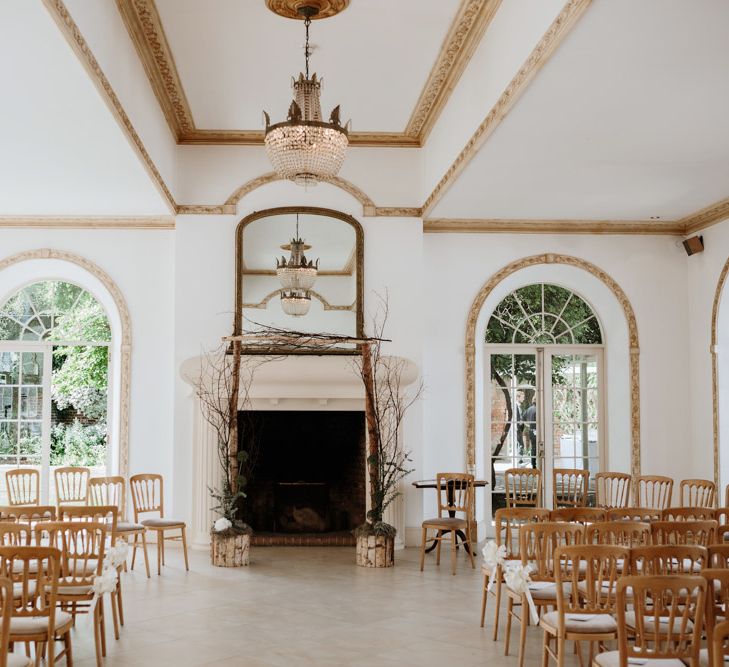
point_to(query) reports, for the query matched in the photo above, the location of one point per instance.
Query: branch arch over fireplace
(475, 318)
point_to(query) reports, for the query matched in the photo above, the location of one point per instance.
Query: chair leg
(102, 626)
(509, 616)
(115, 615)
(545, 649)
(162, 534)
(134, 551)
(119, 601)
(97, 635)
(439, 537)
(67, 648)
(484, 597)
(424, 537)
(159, 552)
(184, 549)
(453, 551)
(497, 604)
(523, 631)
(469, 546)
(146, 557)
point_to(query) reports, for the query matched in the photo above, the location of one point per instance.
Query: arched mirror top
(313, 287)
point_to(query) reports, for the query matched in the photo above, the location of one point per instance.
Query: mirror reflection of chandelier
(297, 276)
(304, 148)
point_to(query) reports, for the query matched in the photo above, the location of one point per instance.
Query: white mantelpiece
(286, 383)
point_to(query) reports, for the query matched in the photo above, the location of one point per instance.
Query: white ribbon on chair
(493, 557)
(105, 582)
(517, 578)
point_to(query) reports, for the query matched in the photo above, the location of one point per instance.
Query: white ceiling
(236, 58)
(628, 120)
(63, 152)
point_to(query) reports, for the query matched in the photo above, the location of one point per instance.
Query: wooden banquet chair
(717, 599)
(582, 515)
(455, 495)
(111, 491)
(697, 493)
(28, 514)
(612, 490)
(684, 532)
(653, 491)
(523, 487)
(644, 514)
(569, 487)
(720, 645)
(8, 659)
(718, 556)
(619, 533)
(71, 485)
(688, 514)
(148, 498)
(23, 486)
(668, 559)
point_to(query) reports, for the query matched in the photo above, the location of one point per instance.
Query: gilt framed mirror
(300, 268)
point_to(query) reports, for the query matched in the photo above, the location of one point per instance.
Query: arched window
(54, 369)
(543, 314)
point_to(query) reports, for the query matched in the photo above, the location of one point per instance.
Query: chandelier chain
(307, 51)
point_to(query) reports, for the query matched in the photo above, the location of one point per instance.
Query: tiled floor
(304, 606)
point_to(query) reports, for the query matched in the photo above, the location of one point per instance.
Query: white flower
(517, 577)
(117, 554)
(105, 582)
(493, 555)
(222, 524)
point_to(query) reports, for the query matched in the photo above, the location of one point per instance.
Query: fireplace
(308, 483)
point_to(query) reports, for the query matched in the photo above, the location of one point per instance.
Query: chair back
(644, 514)
(726, 496)
(108, 491)
(654, 491)
(30, 515)
(587, 577)
(612, 490)
(668, 559)
(619, 533)
(569, 487)
(105, 514)
(583, 515)
(718, 556)
(717, 602)
(538, 543)
(82, 545)
(507, 523)
(523, 487)
(6, 609)
(71, 484)
(720, 645)
(684, 532)
(697, 493)
(669, 613)
(23, 486)
(455, 492)
(688, 514)
(147, 494)
(15, 534)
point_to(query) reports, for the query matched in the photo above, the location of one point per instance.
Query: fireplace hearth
(308, 483)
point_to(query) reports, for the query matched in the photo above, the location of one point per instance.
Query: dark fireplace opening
(309, 473)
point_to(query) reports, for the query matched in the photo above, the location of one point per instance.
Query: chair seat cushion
(33, 625)
(74, 589)
(612, 659)
(650, 626)
(19, 660)
(163, 523)
(125, 526)
(447, 521)
(585, 623)
(544, 590)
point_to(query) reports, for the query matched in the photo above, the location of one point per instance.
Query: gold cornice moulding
(87, 222)
(706, 217)
(536, 226)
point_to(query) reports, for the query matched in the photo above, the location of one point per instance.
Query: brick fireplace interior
(308, 483)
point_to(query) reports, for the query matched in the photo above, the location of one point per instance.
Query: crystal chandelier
(297, 276)
(304, 148)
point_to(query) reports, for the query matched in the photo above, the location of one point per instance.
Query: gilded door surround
(475, 310)
(125, 362)
(714, 366)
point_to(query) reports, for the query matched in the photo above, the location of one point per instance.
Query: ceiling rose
(290, 8)
(304, 148)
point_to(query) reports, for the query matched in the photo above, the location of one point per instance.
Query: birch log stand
(375, 550)
(230, 550)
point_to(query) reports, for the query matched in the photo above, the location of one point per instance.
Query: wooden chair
(668, 559)
(726, 496)
(35, 616)
(619, 533)
(23, 485)
(612, 490)
(688, 514)
(644, 514)
(684, 532)
(29, 514)
(523, 487)
(583, 515)
(6, 608)
(720, 645)
(697, 493)
(538, 543)
(717, 601)
(654, 491)
(71, 485)
(455, 492)
(585, 604)
(111, 491)
(16, 535)
(507, 523)
(82, 544)
(655, 599)
(721, 514)
(569, 487)
(718, 556)
(148, 497)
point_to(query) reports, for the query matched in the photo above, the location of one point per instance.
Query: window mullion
(46, 428)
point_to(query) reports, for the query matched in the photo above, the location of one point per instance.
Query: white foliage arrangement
(222, 524)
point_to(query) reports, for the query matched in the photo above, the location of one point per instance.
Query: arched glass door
(544, 363)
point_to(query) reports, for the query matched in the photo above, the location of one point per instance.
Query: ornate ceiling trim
(147, 33)
(70, 31)
(86, 222)
(706, 217)
(470, 347)
(556, 32)
(526, 226)
(125, 334)
(715, 366)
